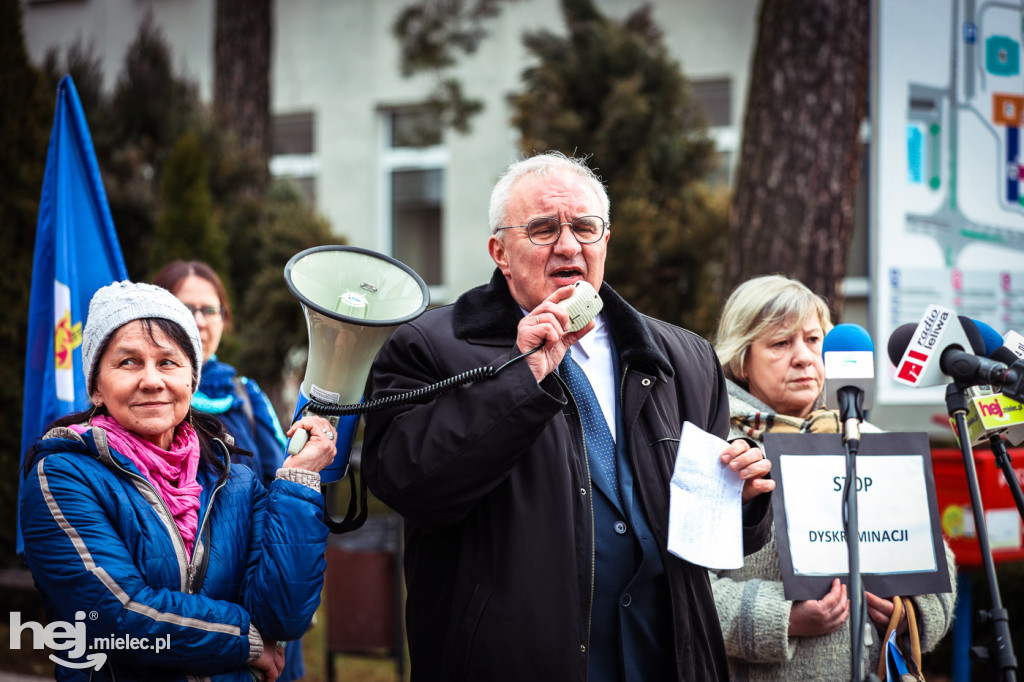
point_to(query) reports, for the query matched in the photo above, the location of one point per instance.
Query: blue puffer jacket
(102, 546)
(250, 420)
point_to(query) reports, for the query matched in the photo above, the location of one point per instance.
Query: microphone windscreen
(989, 336)
(1004, 355)
(973, 335)
(899, 340)
(849, 357)
(848, 337)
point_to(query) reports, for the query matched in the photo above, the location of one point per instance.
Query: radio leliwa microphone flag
(76, 253)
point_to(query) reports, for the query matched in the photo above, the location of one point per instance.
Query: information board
(947, 201)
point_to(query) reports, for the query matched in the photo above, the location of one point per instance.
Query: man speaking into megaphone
(536, 502)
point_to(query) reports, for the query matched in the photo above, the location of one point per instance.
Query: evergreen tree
(81, 63)
(186, 228)
(25, 121)
(180, 186)
(610, 89)
(149, 110)
(272, 328)
(432, 34)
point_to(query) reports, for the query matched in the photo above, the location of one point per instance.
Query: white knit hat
(117, 304)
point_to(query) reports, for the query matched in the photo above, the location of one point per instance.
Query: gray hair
(549, 162)
(760, 306)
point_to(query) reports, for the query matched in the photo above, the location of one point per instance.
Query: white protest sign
(894, 525)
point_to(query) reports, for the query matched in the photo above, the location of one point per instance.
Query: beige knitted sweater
(754, 614)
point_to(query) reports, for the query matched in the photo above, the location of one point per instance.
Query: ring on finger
(328, 433)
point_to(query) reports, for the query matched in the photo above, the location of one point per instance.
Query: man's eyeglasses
(544, 231)
(208, 311)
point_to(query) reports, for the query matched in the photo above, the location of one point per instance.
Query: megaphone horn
(353, 299)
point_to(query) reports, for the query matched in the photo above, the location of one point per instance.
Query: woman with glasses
(237, 401)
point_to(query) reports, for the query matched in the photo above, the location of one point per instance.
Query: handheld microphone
(939, 349)
(849, 356)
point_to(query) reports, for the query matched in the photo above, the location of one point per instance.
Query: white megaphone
(353, 299)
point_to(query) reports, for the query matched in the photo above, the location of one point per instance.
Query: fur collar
(489, 313)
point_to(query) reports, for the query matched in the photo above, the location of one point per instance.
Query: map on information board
(948, 169)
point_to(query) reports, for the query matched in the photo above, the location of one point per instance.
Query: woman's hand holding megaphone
(320, 449)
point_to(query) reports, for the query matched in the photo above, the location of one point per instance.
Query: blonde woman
(769, 342)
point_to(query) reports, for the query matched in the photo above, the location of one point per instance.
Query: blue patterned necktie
(597, 437)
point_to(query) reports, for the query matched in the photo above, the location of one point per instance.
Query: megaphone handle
(299, 439)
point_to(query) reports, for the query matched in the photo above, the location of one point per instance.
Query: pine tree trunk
(242, 77)
(792, 208)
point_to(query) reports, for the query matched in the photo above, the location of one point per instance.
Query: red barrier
(1001, 516)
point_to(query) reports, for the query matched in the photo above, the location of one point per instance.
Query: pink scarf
(172, 472)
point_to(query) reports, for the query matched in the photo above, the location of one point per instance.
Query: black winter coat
(492, 482)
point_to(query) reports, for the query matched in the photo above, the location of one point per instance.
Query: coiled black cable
(354, 519)
(418, 395)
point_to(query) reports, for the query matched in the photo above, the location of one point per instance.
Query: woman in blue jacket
(162, 559)
(235, 400)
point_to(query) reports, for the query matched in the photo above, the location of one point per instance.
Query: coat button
(646, 382)
(620, 527)
(583, 491)
(626, 599)
(583, 648)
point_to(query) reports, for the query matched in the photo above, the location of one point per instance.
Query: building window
(715, 96)
(413, 128)
(293, 152)
(414, 160)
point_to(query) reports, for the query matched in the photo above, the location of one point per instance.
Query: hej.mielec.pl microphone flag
(76, 253)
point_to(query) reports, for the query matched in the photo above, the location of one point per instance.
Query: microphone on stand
(849, 356)
(990, 338)
(1014, 342)
(995, 416)
(990, 413)
(928, 354)
(943, 347)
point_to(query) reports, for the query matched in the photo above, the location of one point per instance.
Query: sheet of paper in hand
(705, 522)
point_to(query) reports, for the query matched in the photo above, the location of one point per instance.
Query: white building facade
(340, 102)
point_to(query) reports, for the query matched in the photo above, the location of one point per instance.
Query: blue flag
(76, 253)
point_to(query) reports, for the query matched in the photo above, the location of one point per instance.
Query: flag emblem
(66, 338)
